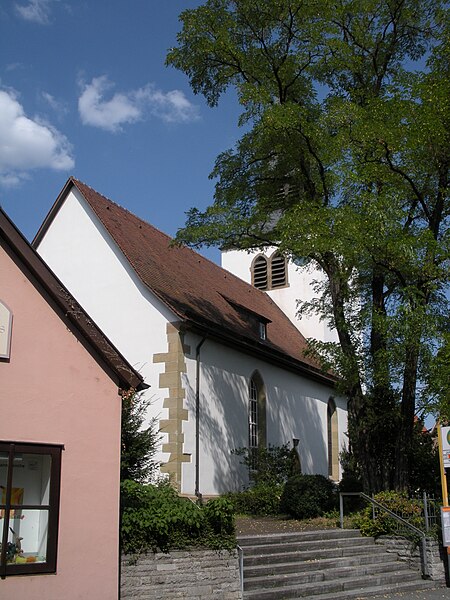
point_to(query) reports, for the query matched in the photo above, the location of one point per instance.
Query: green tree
(344, 161)
(139, 443)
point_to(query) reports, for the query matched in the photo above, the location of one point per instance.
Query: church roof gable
(202, 294)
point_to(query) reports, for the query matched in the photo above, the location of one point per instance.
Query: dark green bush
(268, 466)
(351, 483)
(308, 496)
(259, 500)
(155, 517)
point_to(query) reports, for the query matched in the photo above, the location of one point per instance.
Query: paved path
(438, 594)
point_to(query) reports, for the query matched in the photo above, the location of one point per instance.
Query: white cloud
(27, 143)
(132, 106)
(37, 11)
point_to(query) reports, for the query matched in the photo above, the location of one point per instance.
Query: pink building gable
(57, 389)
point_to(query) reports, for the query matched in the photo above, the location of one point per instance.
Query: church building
(221, 348)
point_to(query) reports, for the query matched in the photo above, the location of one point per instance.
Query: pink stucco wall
(53, 391)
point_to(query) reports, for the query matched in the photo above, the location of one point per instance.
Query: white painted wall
(81, 253)
(300, 286)
(296, 408)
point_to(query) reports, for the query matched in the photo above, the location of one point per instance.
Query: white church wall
(296, 407)
(79, 250)
(300, 279)
(81, 253)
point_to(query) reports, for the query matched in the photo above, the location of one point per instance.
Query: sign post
(444, 461)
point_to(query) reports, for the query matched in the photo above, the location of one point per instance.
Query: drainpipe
(197, 419)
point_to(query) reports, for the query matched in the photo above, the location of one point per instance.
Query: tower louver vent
(260, 273)
(278, 264)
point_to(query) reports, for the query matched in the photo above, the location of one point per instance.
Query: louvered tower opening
(278, 271)
(260, 276)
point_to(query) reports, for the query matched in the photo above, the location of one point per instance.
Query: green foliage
(269, 469)
(268, 466)
(308, 496)
(384, 524)
(262, 499)
(155, 517)
(344, 161)
(350, 482)
(219, 514)
(138, 444)
(438, 380)
(425, 469)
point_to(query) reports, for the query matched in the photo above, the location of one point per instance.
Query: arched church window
(260, 277)
(278, 277)
(333, 440)
(256, 417)
(253, 418)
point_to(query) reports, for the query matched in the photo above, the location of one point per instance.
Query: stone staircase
(323, 565)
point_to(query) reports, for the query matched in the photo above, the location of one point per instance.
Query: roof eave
(269, 353)
(69, 308)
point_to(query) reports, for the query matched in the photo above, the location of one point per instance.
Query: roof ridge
(78, 181)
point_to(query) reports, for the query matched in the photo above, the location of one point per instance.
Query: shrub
(307, 496)
(138, 445)
(384, 524)
(268, 466)
(350, 483)
(259, 500)
(155, 517)
(219, 513)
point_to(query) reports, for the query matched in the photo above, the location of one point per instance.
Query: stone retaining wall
(195, 574)
(410, 552)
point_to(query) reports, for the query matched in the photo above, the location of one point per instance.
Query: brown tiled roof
(202, 294)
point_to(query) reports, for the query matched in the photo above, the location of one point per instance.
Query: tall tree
(344, 161)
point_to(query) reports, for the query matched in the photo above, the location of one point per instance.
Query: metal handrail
(407, 524)
(241, 567)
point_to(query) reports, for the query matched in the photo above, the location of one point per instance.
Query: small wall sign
(5, 330)
(445, 520)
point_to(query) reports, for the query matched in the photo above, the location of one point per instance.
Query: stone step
(378, 591)
(362, 571)
(282, 538)
(384, 581)
(325, 563)
(307, 546)
(281, 556)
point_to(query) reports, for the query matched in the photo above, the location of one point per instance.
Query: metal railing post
(377, 505)
(425, 512)
(241, 567)
(341, 510)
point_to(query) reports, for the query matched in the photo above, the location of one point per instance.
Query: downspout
(197, 419)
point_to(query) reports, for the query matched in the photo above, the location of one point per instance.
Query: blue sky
(84, 92)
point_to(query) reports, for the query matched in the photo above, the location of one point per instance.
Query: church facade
(224, 357)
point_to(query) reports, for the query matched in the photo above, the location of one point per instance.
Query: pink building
(59, 436)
